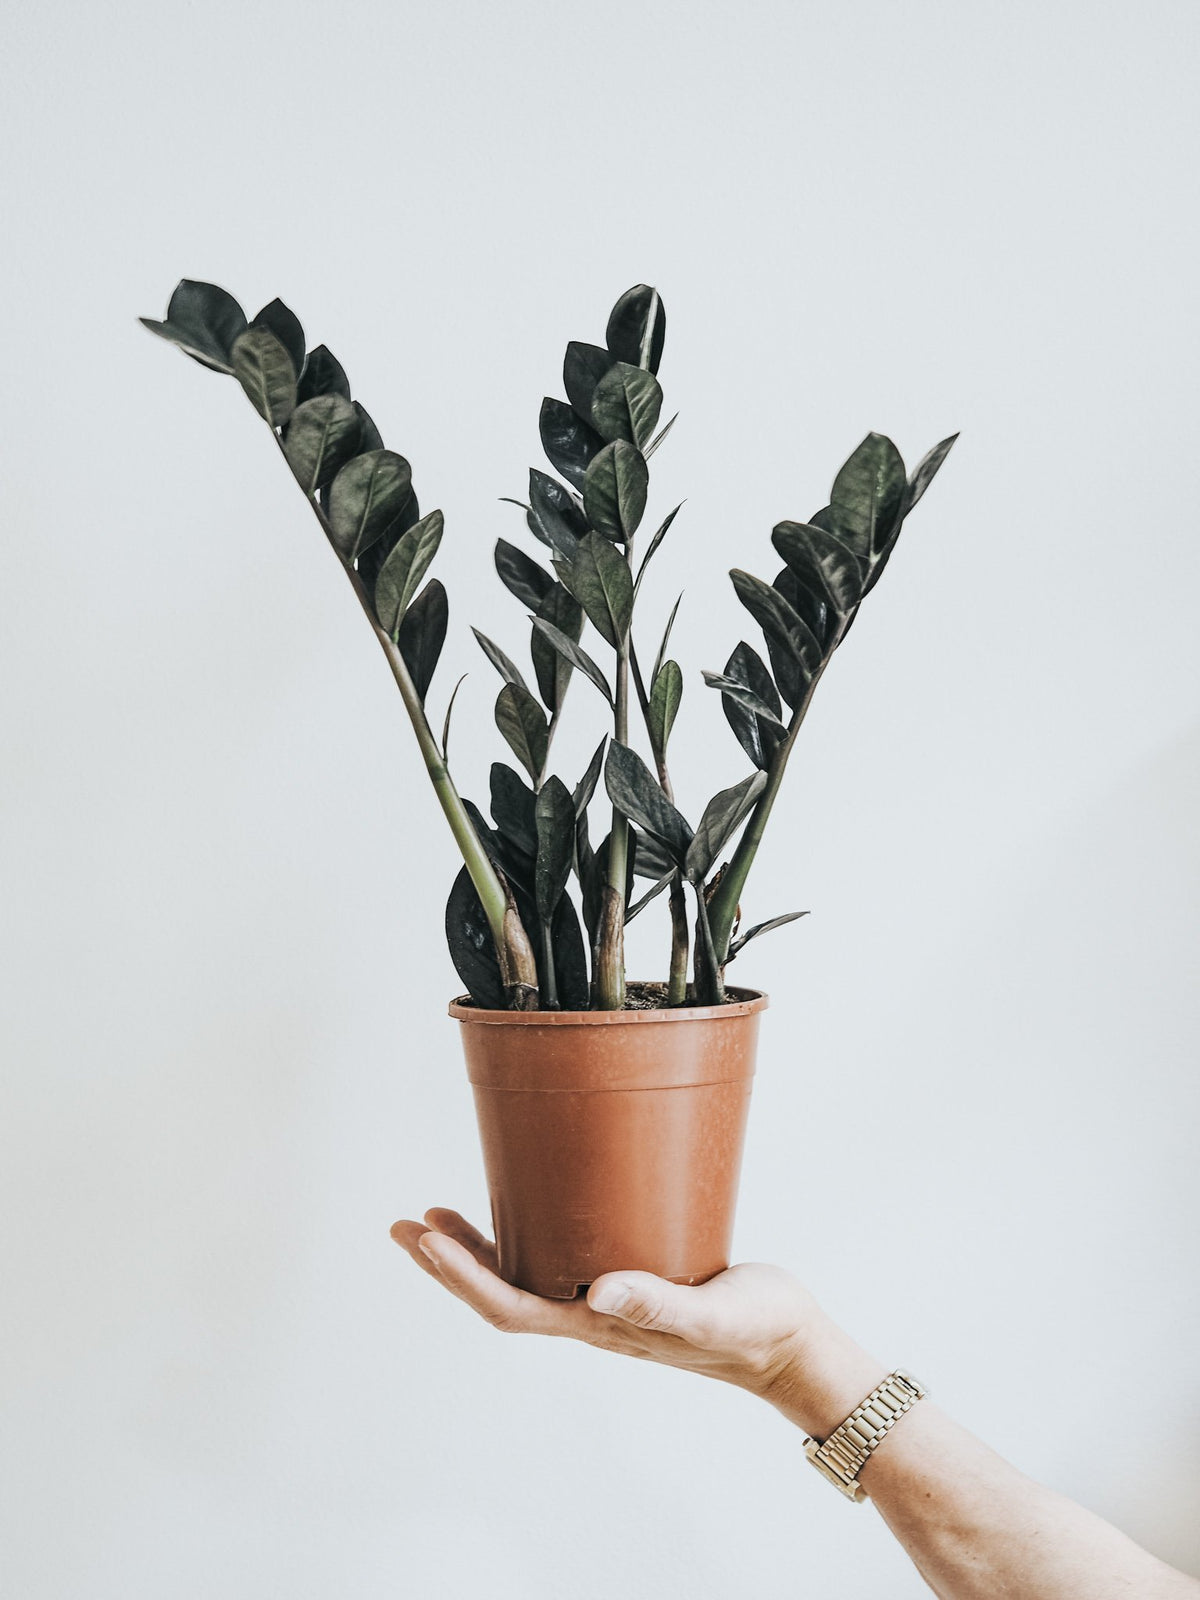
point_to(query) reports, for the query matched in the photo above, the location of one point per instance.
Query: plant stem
(610, 940)
(518, 969)
(550, 984)
(710, 982)
(722, 908)
(677, 900)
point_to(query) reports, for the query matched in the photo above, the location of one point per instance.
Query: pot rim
(749, 1002)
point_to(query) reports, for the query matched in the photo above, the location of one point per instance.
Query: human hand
(754, 1326)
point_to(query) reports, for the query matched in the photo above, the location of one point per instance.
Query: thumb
(643, 1300)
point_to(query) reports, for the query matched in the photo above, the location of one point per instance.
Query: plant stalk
(710, 979)
(676, 899)
(518, 968)
(610, 940)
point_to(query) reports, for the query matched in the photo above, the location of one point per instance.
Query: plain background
(227, 1064)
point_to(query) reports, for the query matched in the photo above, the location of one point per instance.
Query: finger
(652, 1303)
(407, 1234)
(450, 1222)
(505, 1307)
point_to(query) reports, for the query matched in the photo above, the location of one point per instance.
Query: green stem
(710, 982)
(610, 941)
(722, 908)
(517, 965)
(677, 900)
(550, 984)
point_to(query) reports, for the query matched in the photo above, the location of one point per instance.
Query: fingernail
(426, 1251)
(612, 1298)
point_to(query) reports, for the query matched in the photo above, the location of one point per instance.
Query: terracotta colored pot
(611, 1138)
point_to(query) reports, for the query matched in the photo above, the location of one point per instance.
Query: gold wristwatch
(848, 1449)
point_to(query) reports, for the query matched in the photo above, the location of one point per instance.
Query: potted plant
(611, 1112)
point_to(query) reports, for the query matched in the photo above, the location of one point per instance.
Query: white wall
(227, 1064)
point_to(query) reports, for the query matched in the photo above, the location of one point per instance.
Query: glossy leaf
(553, 670)
(507, 669)
(554, 517)
(573, 655)
(449, 714)
(627, 404)
(203, 320)
(513, 803)
(371, 560)
(659, 437)
(472, 949)
(867, 496)
(521, 575)
(723, 815)
(600, 580)
(795, 651)
(401, 573)
(583, 367)
(366, 496)
(925, 472)
(523, 723)
(614, 491)
(744, 696)
(627, 326)
(586, 787)
(758, 736)
(285, 325)
(665, 695)
(570, 957)
(264, 369)
(666, 638)
(324, 374)
(822, 561)
(372, 439)
(569, 441)
(653, 546)
(822, 620)
(554, 816)
(651, 858)
(636, 793)
(422, 633)
(762, 927)
(323, 434)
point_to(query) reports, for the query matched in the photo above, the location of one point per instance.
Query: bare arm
(976, 1528)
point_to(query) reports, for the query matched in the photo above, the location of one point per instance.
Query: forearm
(975, 1527)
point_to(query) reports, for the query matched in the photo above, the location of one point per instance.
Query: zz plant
(512, 927)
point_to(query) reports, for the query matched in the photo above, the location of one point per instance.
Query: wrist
(820, 1375)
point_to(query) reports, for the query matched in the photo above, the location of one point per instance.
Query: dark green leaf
(324, 374)
(367, 495)
(573, 655)
(665, 695)
(513, 803)
(637, 309)
(925, 472)
(867, 497)
(599, 579)
(662, 649)
(449, 713)
(635, 792)
(401, 573)
(204, 321)
(822, 620)
(627, 404)
(651, 858)
(521, 575)
(762, 927)
(264, 369)
(586, 787)
(553, 669)
(659, 437)
(472, 949)
(569, 442)
(370, 561)
(554, 517)
(744, 695)
(757, 736)
(795, 651)
(583, 367)
(285, 325)
(723, 815)
(570, 957)
(823, 562)
(554, 815)
(654, 544)
(523, 723)
(422, 634)
(322, 436)
(372, 439)
(614, 491)
(507, 669)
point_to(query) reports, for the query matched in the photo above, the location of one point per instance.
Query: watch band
(848, 1449)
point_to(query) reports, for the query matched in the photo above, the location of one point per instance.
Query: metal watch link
(848, 1448)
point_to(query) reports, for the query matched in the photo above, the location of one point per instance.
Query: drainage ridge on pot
(611, 1139)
